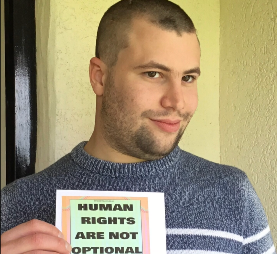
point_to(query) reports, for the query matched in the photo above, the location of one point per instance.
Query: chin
(148, 145)
(156, 150)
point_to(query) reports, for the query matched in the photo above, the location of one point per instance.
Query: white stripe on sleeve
(270, 251)
(256, 237)
(204, 232)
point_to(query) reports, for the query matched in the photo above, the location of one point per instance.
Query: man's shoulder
(205, 170)
(41, 181)
(33, 196)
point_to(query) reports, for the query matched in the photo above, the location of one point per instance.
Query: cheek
(139, 95)
(141, 100)
(148, 98)
(133, 100)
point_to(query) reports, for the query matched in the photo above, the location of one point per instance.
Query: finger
(29, 228)
(36, 242)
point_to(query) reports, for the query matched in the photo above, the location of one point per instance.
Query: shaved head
(115, 25)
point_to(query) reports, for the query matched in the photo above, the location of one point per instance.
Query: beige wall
(3, 108)
(248, 95)
(66, 101)
(46, 94)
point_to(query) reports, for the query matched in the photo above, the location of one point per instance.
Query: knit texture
(210, 208)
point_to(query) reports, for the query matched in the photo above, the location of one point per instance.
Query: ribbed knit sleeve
(256, 232)
(13, 210)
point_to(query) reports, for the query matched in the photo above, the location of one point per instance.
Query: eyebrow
(156, 65)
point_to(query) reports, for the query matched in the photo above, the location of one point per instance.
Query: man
(145, 78)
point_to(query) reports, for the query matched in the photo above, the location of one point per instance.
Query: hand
(34, 237)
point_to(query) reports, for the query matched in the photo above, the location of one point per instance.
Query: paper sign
(100, 222)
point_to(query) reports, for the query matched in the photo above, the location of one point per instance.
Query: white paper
(156, 215)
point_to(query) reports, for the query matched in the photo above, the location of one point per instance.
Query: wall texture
(46, 87)
(66, 42)
(248, 95)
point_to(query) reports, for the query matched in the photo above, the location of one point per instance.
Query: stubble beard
(119, 127)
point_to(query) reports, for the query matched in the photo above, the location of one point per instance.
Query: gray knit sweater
(210, 208)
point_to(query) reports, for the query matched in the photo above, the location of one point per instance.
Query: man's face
(151, 93)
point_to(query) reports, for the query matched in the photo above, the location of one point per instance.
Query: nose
(173, 97)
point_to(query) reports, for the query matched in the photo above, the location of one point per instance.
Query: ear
(96, 74)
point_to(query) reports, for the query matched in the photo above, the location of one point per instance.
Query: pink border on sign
(143, 211)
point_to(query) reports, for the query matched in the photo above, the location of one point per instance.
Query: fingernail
(61, 235)
(67, 246)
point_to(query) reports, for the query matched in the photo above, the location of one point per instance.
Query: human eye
(153, 74)
(188, 78)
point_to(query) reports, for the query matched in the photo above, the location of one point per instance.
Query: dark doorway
(21, 99)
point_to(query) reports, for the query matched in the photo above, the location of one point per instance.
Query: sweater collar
(160, 166)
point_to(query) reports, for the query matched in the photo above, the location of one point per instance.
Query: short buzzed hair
(115, 25)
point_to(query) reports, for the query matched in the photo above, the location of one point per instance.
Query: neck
(100, 149)
(161, 167)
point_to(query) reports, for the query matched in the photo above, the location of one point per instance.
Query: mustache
(152, 114)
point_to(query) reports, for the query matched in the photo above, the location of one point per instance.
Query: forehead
(148, 42)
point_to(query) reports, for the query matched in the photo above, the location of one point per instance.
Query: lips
(167, 125)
